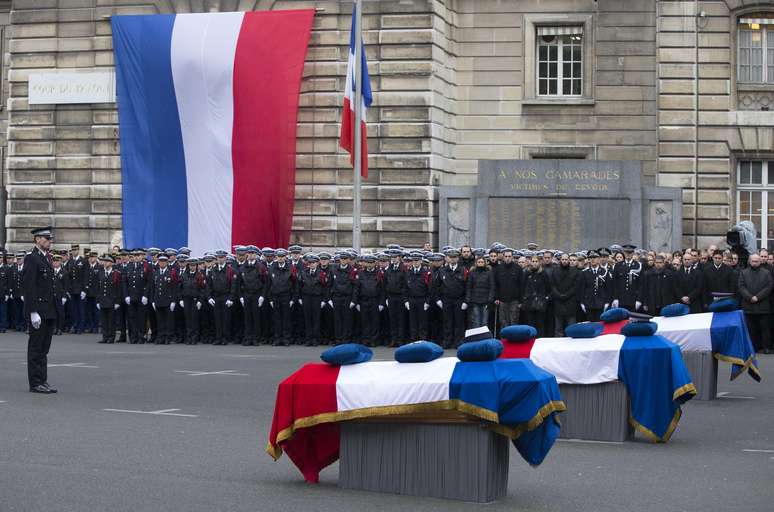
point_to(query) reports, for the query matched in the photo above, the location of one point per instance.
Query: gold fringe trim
(745, 365)
(275, 451)
(682, 390)
(652, 435)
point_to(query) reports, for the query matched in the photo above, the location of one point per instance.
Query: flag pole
(358, 113)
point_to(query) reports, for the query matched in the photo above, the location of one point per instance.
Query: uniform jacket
(419, 283)
(755, 282)
(371, 287)
(5, 280)
(626, 282)
(37, 285)
(450, 284)
(137, 278)
(60, 285)
(193, 285)
(344, 283)
(222, 283)
(596, 287)
(76, 274)
(282, 281)
(15, 280)
(395, 284)
(252, 280)
(165, 288)
(111, 288)
(90, 278)
(313, 285)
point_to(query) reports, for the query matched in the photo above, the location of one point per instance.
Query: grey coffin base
(596, 412)
(445, 460)
(703, 368)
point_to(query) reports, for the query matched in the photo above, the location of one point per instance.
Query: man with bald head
(755, 284)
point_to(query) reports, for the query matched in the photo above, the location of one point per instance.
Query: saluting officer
(313, 298)
(251, 288)
(110, 293)
(221, 287)
(37, 288)
(418, 285)
(164, 297)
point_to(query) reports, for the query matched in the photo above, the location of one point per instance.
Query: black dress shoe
(102, 341)
(40, 388)
(51, 389)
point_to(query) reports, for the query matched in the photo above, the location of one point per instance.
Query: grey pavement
(66, 452)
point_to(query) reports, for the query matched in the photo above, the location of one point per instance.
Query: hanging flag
(207, 107)
(347, 137)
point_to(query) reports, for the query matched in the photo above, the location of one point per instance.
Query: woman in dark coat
(535, 295)
(479, 292)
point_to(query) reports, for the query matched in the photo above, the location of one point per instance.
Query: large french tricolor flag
(347, 136)
(207, 109)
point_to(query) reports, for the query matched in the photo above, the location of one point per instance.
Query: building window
(755, 198)
(755, 59)
(560, 61)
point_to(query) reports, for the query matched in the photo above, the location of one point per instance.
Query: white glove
(387, 302)
(98, 306)
(35, 320)
(229, 303)
(357, 307)
(198, 305)
(322, 304)
(291, 303)
(427, 306)
(211, 302)
(330, 303)
(83, 295)
(260, 302)
(116, 306)
(144, 301)
(242, 301)
(300, 302)
(606, 306)
(381, 308)
(351, 305)
(182, 304)
(271, 303)
(615, 303)
(172, 306)
(22, 298)
(439, 303)
(127, 300)
(637, 304)
(153, 304)
(6, 298)
(64, 301)
(583, 308)
(464, 306)
(408, 306)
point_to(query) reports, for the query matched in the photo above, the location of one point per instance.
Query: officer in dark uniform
(344, 298)
(137, 277)
(418, 285)
(122, 313)
(238, 310)
(313, 298)
(281, 293)
(206, 314)
(396, 291)
(266, 311)
(370, 299)
(596, 283)
(251, 288)
(626, 281)
(326, 314)
(5, 292)
(60, 293)
(20, 320)
(382, 263)
(37, 288)
(164, 297)
(90, 292)
(434, 314)
(110, 294)
(76, 305)
(193, 289)
(449, 294)
(297, 311)
(221, 288)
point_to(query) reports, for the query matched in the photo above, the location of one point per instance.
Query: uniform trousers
(60, 314)
(312, 315)
(108, 323)
(283, 330)
(396, 313)
(342, 319)
(252, 316)
(38, 346)
(369, 327)
(3, 314)
(191, 315)
(77, 310)
(135, 313)
(222, 316)
(19, 322)
(165, 323)
(453, 322)
(90, 314)
(417, 319)
(593, 314)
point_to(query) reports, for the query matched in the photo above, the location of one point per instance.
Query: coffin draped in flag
(651, 368)
(514, 398)
(207, 108)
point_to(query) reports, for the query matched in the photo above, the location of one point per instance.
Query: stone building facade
(454, 81)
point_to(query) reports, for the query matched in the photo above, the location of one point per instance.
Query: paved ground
(66, 452)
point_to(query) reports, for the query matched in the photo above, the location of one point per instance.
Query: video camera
(741, 238)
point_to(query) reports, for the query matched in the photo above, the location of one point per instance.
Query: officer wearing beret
(111, 292)
(37, 288)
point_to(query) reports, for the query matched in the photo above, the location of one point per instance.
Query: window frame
(560, 45)
(529, 35)
(767, 34)
(766, 189)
